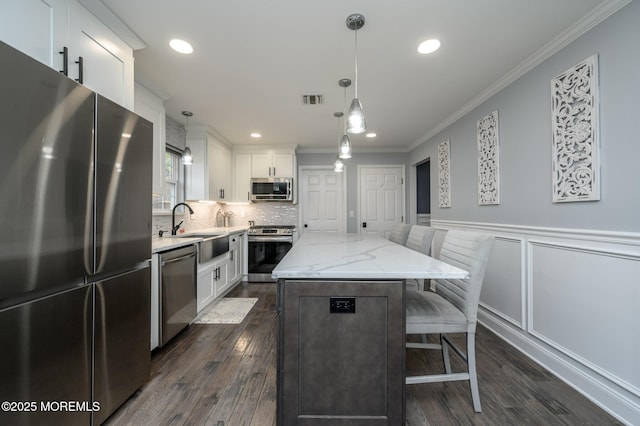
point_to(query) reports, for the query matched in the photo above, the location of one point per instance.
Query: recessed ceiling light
(429, 46)
(371, 135)
(181, 46)
(256, 135)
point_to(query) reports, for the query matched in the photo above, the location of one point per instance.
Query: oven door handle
(256, 239)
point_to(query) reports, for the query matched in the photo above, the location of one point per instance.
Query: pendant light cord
(346, 110)
(356, 60)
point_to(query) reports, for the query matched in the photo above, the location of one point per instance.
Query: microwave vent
(312, 99)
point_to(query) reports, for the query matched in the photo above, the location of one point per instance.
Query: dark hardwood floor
(225, 375)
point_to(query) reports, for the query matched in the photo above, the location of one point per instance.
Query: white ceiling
(254, 59)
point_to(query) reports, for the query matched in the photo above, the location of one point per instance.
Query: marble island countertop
(358, 256)
(169, 242)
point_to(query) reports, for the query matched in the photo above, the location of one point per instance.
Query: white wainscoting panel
(570, 300)
(586, 303)
(503, 289)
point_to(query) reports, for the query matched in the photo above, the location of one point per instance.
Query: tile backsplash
(268, 213)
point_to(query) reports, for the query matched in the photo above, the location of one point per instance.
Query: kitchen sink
(211, 246)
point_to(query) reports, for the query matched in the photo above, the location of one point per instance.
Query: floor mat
(228, 310)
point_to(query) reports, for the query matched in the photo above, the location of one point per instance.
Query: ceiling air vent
(311, 99)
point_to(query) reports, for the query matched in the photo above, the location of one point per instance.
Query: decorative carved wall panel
(576, 156)
(444, 188)
(488, 160)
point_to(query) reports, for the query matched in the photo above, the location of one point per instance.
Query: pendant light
(187, 157)
(345, 143)
(356, 121)
(338, 165)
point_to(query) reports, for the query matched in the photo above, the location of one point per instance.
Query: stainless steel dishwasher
(177, 291)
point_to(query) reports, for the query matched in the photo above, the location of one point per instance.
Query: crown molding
(115, 24)
(589, 21)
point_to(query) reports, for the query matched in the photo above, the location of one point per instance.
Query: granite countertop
(169, 242)
(358, 256)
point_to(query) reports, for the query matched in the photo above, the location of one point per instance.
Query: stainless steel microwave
(271, 189)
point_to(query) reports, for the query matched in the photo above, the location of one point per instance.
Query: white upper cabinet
(253, 161)
(197, 175)
(37, 28)
(272, 165)
(150, 107)
(242, 177)
(209, 178)
(107, 61)
(219, 156)
(44, 29)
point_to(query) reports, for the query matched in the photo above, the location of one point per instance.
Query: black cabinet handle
(80, 63)
(65, 61)
(364, 224)
(305, 225)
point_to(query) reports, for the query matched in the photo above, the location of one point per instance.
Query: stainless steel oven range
(267, 246)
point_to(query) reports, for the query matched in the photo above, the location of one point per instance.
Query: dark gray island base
(340, 352)
(341, 328)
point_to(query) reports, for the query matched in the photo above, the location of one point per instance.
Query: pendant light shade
(338, 165)
(187, 158)
(356, 121)
(345, 147)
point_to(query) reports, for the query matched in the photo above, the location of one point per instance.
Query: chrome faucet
(174, 228)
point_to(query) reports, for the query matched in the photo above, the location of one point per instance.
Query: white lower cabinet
(217, 276)
(221, 278)
(212, 280)
(206, 290)
(235, 257)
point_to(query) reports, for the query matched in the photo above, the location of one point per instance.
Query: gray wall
(524, 110)
(351, 173)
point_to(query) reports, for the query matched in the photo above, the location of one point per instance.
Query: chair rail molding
(556, 293)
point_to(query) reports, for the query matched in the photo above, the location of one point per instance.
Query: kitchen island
(341, 328)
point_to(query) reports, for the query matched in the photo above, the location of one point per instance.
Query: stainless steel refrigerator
(75, 248)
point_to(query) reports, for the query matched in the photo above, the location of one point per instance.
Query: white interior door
(381, 190)
(322, 203)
